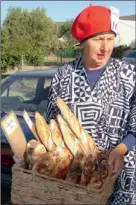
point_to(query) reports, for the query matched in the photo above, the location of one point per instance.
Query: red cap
(91, 21)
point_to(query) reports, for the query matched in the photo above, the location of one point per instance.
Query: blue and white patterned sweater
(107, 111)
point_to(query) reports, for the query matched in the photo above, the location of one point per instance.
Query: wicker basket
(33, 188)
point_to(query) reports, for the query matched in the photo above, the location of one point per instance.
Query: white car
(131, 57)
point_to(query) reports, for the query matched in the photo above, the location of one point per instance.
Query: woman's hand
(116, 160)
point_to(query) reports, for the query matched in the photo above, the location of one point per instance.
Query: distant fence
(68, 53)
(62, 55)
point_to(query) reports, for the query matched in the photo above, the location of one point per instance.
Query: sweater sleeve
(130, 139)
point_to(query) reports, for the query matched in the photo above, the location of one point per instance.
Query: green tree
(13, 33)
(64, 32)
(26, 35)
(64, 28)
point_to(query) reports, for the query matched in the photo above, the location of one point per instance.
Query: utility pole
(22, 62)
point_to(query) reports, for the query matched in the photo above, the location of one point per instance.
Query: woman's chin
(101, 61)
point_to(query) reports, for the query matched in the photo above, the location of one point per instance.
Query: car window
(42, 107)
(132, 54)
(19, 95)
(25, 88)
(47, 82)
(26, 93)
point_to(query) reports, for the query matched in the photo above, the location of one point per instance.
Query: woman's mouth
(101, 56)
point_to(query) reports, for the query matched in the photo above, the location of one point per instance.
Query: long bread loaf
(75, 126)
(44, 132)
(69, 138)
(56, 134)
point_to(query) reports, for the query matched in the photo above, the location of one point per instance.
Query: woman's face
(98, 49)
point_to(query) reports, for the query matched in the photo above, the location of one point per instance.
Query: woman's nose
(104, 46)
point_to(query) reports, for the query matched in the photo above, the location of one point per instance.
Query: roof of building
(129, 18)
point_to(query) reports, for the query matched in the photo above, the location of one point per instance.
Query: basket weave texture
(32, 188)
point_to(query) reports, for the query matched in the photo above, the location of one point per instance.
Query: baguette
(69, 138)
(73, 122)
(56, 134)
(44, 132)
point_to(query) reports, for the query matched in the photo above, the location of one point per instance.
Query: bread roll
(76, 127)
(88, 170)
(63, 166)
(99, 176)
(76, 168)
(46, 163)
(44, 132)
(54, 164)
(33, 151)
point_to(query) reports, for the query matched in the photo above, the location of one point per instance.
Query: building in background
(127, 31)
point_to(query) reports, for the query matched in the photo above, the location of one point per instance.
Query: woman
(101, 91)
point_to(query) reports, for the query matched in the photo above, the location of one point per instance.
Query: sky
(61, 11)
